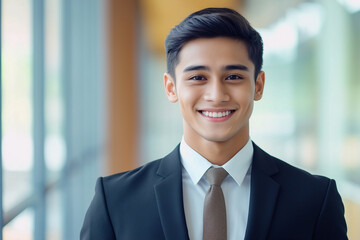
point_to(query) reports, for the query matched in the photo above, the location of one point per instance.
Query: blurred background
(82, 97)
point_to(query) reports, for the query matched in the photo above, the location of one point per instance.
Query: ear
(170, 88)
(259, 85)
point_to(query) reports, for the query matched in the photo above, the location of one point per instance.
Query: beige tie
(214, 227)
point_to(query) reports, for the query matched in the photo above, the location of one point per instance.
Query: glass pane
(55, 150)
(21, 228)
(54, 140)
(54, 215)
(17, 143)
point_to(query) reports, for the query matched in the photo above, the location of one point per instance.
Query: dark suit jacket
(147, 203)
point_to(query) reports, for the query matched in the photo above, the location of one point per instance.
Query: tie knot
(215, 176)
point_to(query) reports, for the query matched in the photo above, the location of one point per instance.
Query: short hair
(211, 23)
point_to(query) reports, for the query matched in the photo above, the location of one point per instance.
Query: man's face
(216, 89)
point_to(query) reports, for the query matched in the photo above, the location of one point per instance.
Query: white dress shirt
(236, 189)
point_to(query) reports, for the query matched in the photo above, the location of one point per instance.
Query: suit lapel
(263, 195)
(169, 197)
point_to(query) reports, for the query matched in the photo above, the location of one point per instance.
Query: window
(52, 115)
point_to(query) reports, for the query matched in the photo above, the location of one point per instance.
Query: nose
(216, 91)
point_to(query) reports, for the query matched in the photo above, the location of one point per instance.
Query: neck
(219, 152)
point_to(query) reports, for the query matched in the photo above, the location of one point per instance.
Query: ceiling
(159, 16)
(262, 13)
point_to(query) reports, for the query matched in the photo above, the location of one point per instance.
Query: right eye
(197, 78)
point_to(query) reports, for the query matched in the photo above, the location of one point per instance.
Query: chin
(218, 138)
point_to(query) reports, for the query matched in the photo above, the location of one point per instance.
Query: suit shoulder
(148, 173)
(305, 183)
(134, 175)
(283, 170)
(290, 170)
(303, 187)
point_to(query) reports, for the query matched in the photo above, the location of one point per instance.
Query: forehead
(214, 53)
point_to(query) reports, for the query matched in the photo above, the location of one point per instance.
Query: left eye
(233, 77)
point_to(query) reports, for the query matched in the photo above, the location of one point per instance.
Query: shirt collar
(196, 165)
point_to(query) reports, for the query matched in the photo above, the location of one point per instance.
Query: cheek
(245, 99)
(188, 98)
(244, 96)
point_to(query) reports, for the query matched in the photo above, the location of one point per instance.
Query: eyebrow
(227, 67)
(196, 67)
(236, 67)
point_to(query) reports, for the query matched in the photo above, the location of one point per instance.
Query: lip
(216, 109)
(216, 119)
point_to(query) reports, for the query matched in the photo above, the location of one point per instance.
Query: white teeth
(216, 114)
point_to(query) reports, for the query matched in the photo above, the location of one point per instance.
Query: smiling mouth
(216, 114)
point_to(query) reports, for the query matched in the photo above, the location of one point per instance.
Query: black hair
(210, 23)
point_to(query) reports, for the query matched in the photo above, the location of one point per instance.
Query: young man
(214, 62)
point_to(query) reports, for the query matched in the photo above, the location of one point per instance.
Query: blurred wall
(309, 115)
